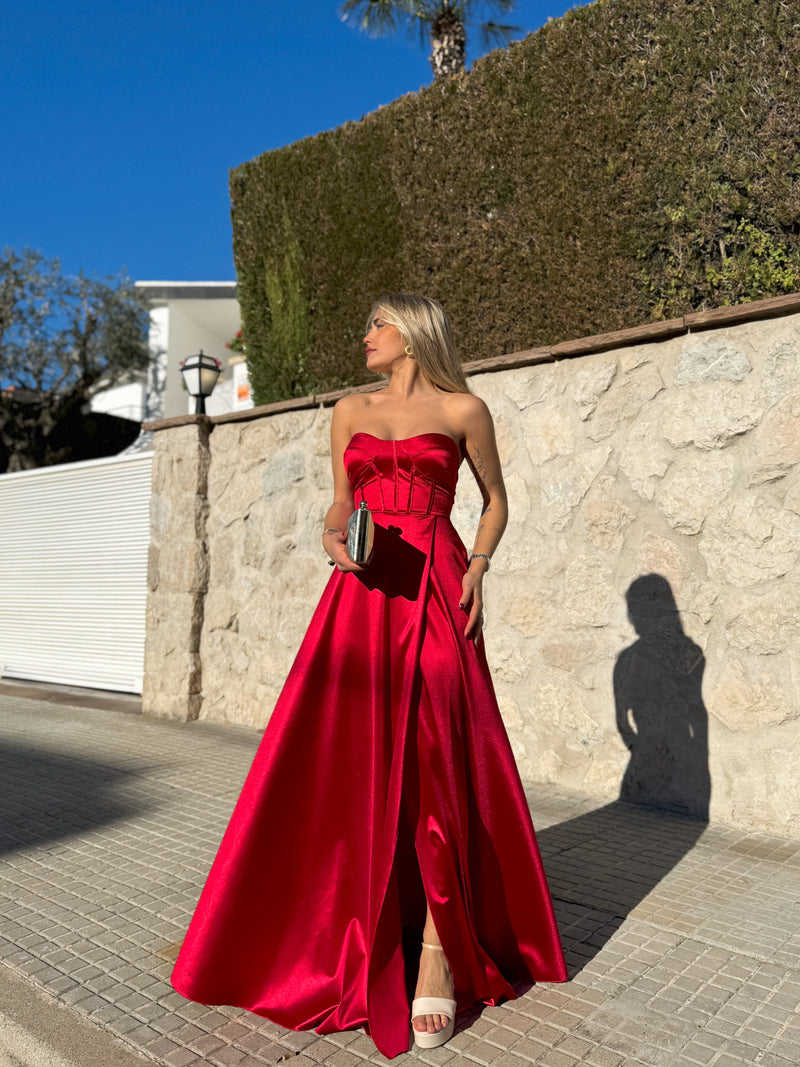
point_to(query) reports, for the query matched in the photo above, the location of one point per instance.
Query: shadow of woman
(660, 712)
(602, 864)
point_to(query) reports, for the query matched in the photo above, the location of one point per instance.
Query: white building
(186, 317)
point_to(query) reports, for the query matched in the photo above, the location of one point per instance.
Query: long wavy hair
(423, 324)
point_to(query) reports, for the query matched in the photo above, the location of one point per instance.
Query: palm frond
(494, 35)
(374, 17)
(378, 18)
(503, 6)
(469, 8)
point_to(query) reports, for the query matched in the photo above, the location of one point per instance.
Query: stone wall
(177, 572)
(643, 608)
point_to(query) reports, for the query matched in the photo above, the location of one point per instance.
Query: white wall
(124, 401)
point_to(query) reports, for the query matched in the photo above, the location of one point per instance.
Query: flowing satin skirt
(384, 777)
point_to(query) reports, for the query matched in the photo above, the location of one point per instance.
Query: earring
(408, 351)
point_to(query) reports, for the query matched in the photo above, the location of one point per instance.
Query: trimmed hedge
(634, 159)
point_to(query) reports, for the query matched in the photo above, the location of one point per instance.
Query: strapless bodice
(412, 476)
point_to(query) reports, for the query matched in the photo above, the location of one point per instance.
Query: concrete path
(36, 1030)
(683, 941)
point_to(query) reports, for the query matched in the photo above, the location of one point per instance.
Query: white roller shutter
(73, 572)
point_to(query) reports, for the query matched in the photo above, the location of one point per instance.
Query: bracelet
(331, 529)
(480, 555)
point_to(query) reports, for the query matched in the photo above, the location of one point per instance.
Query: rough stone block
(711, 416)
(629, 392)
(767, 624)
(606, 520)
(749, 541)
(588, 591)
(781, 374)
(694, 489)
(746, 699)
(281, 470)
(548, 432)
(238, 497)
(711, 360)
(777, 440)
(588, 383)
(529, 385)
(644, 457)
(565, 483)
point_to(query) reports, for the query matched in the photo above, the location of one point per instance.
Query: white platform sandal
(433, 1006)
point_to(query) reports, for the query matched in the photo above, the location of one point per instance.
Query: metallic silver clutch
(360, 534)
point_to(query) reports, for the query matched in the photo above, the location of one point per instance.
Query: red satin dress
(384, 776)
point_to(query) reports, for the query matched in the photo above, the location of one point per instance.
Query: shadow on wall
(603, 864)
(661, 717)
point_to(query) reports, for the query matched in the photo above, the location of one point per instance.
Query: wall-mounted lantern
(200, 375)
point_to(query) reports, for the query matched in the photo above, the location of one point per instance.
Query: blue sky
(120, 120)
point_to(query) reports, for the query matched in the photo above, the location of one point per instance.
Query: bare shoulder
(345, 409)
(345, 405)
(469, 412)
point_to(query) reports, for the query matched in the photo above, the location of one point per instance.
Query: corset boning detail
(413, 477)
(409, 493)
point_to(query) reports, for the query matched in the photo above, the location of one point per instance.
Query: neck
(407, 380)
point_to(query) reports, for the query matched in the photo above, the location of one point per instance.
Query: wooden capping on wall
(755, 310)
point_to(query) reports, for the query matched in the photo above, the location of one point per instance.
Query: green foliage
(746, 263)
(752, 267)
(631, 160)
(276, 358)
(63, 340)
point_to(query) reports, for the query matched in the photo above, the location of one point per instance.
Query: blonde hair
(424, 326)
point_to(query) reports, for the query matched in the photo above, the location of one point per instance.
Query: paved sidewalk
(683, 941)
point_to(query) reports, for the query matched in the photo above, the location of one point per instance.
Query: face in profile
(384, 344)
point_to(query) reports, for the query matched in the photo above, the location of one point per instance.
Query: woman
(384, 794)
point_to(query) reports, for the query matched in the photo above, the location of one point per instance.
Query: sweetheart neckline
(400, 440)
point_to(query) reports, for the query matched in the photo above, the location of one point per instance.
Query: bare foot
(434, 980)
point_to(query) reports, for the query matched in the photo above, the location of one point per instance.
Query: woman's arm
(343, 505)
(481, 448)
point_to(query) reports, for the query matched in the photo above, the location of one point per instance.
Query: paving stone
(694, 961)
(436, 1057)
(227, 1056)
(603, 1057)
(500, 1036)
(319, 1051)
(159, 1047)
(343, 1058)
(696, 1053)
(482, 1051)
(181, 1058)
(575, 1046)
(204, 1044)
(528, 1049)
(554, 1058)
(301, 1039)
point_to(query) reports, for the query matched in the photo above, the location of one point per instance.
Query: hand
(472, 600)
(334, 544)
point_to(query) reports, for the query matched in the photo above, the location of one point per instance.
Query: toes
(430, 1024)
